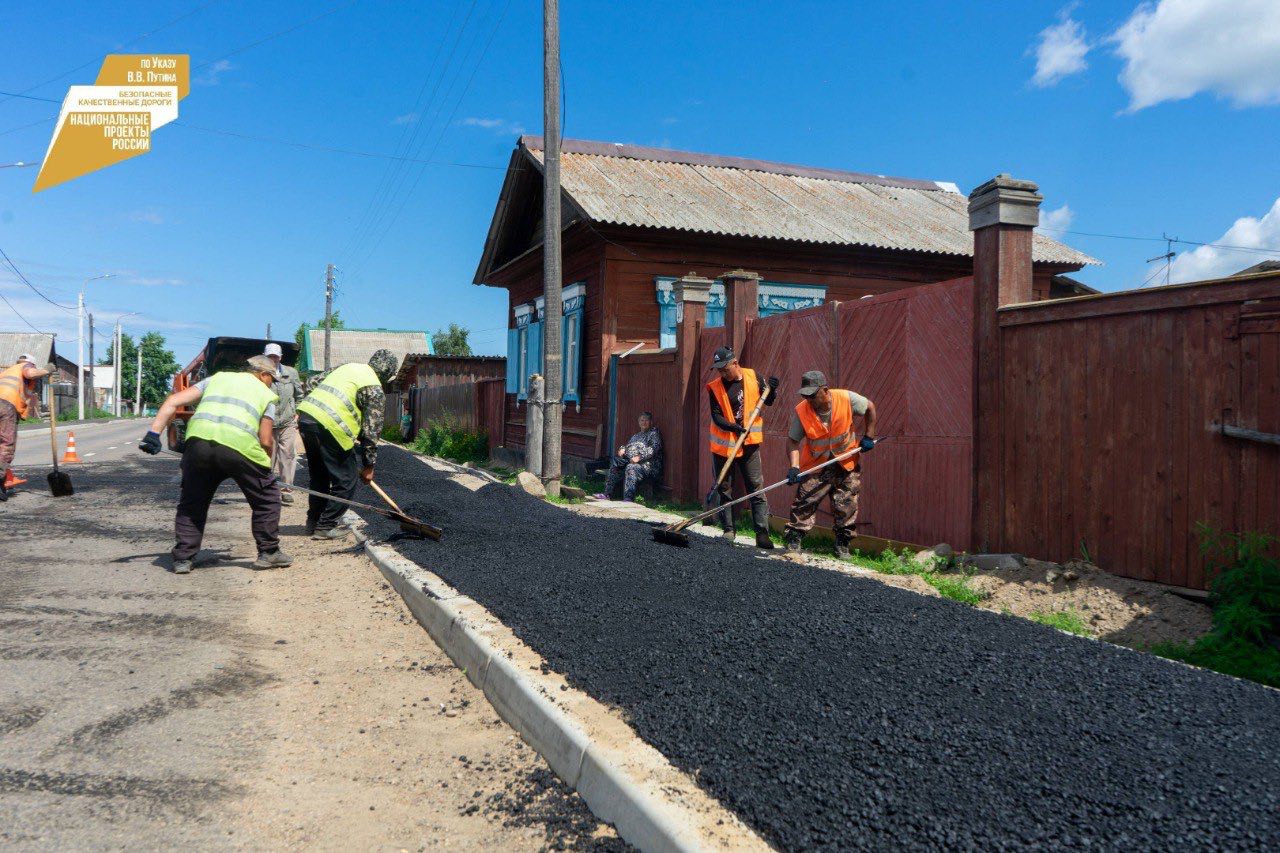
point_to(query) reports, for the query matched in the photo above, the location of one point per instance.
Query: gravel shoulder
(233, 708)
(833, 710)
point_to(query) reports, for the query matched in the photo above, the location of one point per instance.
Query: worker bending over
(822, 427)
(17, 397)
(230, 435)
(346, 405)
(734, 395)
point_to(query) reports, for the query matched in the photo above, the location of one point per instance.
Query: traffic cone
(71, 455)
(11, 480)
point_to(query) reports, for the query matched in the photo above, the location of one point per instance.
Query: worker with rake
(736, 432)
(230, 435)
(822, 427)
(17, 397)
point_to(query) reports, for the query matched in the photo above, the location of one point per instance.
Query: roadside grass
(1064, 620)
(1245, 594)
(391, 432)
(956, 587)
(448, 441)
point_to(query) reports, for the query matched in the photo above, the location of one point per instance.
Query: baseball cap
(721, 357)
(811, 381)
(262, 364)
(273, 349)
(26, 356)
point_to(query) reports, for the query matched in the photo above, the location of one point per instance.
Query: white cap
(273, 349)
(26, 357)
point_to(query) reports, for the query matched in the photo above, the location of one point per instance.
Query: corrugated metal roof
(346, 345)
(14, 344)
(627, 185)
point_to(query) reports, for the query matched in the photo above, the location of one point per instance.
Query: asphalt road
(834, 711)
(94, 442)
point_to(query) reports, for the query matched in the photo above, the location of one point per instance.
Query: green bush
(391, 432)
(92, 414)
(443, 439)
(1064, 620)
(1245, 594)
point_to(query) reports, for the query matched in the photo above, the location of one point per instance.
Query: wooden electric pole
(328, 310)
(268, 331)
(551, 261)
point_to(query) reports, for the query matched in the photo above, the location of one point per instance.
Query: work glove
(793, 476)
(150, 444)
(736, 429)
(773, 383)
(867, 444)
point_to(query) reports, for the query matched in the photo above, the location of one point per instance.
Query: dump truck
(221, 353)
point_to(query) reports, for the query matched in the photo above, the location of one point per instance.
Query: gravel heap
(835, 711)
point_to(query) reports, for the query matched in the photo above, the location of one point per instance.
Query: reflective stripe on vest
(12, 389)
(229, 412)
(721, 441)
(822, 442)
(332, 403)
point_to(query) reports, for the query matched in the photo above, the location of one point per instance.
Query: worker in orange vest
(823, 427)
(17, 397)
(734, 395)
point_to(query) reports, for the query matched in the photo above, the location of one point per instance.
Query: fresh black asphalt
(834, 711)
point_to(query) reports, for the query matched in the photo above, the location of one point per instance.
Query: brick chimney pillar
(1002, 214)
(741, 292)
(692, 294)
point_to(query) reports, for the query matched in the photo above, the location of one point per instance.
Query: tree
(451, 341)
(158, 367)
(302, 331)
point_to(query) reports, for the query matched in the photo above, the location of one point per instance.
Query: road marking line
(113, 448)
(87, 455)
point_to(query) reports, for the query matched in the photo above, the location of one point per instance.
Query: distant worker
(229, 435)
(734, 395)
(284, 461)
(346, 405)
(638, 460)
(17, 398)
(822, 427)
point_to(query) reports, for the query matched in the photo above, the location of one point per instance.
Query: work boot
(764, 540)
(792, 544)
(333, 533)
(286, 497)
(182, 567)
(730, 534)
(311, 525)
(273, 560)
(842, 550)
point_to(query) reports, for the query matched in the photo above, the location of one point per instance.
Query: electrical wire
(1255, 249)
(37, 290)
(276, 35)
(18, 314)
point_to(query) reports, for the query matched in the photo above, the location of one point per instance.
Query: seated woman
(638, 460)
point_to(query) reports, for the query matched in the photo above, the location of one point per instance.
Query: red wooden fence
(649, 382)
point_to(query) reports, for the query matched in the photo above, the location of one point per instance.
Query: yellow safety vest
(14, 387)
(333, 402)
(229, 412)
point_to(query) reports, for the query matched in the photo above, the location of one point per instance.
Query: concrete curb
(617, 780)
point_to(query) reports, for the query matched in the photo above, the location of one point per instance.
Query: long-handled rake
(673, 534)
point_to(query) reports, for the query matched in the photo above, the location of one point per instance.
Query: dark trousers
(629, 474)
(205, 466)
(333, 471)
(749, 472)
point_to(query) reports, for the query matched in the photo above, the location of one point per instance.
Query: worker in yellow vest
(734, 394)
(346, 407)
(822, 427)
(17, 398)
(229, 435)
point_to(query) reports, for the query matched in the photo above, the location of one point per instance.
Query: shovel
(408, 524)
(59, 481)
(673, 534)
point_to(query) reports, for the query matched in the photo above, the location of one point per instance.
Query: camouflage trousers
(842, 486)
(630, 474)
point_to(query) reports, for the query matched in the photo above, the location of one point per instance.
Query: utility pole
(80, 346)
(137, 395)
(328, 310)
(268, 331)
(93, 401)
(551, 260)
(117, 372)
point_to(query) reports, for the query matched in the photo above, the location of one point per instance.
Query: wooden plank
(1178, 296)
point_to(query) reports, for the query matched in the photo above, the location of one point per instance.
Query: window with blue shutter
(523, 352)
(773, 297)
(513, 361)
(534, 361)
(571, 341)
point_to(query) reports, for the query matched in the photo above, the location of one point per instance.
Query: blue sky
(1139, 120)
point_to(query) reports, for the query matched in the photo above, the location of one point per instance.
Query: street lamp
(80, 348)
(118, 379)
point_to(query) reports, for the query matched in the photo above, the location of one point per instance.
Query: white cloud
(1057, 220)
(1175, 49)
(1061, 50)
(1247, 231)
(500, 126)
(212, 75)
(146, 217)
(407, 118)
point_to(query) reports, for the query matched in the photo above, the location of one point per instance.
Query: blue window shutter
(535, 353)
(667, 326)
(513, 361)
(715, 317)
(571, 348)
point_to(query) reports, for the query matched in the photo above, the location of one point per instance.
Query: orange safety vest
(14, 387)
(837, 439)
(722, 440)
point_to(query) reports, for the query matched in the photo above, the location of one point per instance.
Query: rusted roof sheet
(655, 188)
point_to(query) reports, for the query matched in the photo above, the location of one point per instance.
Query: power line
(1255, 249)
(37, 290)
(283, 32)
(18, 314)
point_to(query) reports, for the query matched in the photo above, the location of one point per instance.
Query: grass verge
(1064, 620)
(956, 587)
